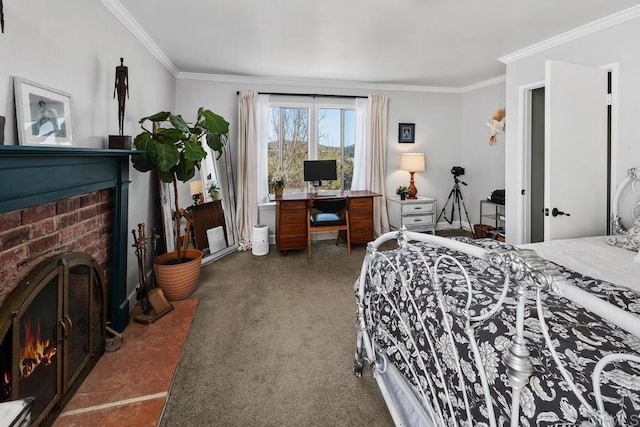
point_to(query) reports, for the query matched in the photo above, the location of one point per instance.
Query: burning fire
(35, 351)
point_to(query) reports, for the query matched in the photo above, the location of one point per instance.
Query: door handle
(555, 212)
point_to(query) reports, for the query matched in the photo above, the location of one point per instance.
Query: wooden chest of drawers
(291, 224)
(361, 219)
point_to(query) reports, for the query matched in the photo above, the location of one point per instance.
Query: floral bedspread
(580, 338)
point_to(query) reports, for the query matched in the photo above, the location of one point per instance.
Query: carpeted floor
(272, 344)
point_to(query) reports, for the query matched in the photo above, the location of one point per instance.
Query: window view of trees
(289, 143)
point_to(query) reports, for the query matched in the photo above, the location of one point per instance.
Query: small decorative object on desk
(402, 191)
(213, 189)
(278, 180)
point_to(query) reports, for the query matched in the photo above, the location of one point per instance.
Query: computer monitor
(317, 171)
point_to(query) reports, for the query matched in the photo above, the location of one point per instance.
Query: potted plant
(173, 148)
(213, 189)
(278, 180)
(402, 191)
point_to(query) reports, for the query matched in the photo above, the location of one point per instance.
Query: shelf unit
(492, 214)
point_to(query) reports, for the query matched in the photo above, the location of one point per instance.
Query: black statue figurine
(122, 89)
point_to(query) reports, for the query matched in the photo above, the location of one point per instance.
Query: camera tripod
(455, 196)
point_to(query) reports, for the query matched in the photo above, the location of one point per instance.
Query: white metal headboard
(633, 177)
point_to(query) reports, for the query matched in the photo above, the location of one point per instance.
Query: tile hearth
(130, 386)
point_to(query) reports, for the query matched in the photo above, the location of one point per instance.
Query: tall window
(298, 132)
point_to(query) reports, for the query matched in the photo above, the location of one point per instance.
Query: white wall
(483, 163)
(74, 46)
(447, 124)
(618, 44)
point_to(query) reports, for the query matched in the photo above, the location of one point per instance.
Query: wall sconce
(412, 162)
(195, 188)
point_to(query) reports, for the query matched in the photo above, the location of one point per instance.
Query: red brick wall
(28, 236)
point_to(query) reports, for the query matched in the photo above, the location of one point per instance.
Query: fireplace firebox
(53, 329)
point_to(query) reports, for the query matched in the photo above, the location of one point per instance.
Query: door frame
(524, 142)
(524, 101)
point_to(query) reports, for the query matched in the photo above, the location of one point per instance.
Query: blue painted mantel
(34, 175)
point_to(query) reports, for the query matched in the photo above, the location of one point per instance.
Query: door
(536, 193)
(575, 192)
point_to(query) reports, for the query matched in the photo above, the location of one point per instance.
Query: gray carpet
(272, 344)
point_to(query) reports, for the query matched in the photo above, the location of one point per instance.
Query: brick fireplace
(63, 251)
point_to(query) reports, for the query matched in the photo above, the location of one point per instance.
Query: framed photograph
(43, 114)
(406, 132)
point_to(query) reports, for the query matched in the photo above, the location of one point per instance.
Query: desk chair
(328, 214)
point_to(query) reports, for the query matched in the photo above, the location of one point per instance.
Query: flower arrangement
(402, 190)
(278, 179)
(213, 189)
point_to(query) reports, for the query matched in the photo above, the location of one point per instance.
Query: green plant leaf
(169, 135)
(146, 159)
(216, 142)
(167, 177)
(158, 117)
(193, 150)
(178, 122)
(167, 156)
(185, 170)
(214, 123)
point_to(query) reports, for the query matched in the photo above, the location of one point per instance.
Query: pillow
(630, 240)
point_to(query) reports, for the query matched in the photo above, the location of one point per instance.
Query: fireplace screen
(53, 329)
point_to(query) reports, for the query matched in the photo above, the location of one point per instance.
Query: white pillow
(637, 257)
(630, 240)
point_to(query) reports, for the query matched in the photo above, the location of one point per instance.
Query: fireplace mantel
(31, 176)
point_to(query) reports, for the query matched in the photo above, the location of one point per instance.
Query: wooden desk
(291, 218)
(206, 216)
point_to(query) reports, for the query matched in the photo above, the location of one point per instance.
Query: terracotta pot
(178, 281)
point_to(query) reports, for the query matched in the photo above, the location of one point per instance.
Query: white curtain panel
(247, 204)
(362, 154)
(262, 154)
(378, 132)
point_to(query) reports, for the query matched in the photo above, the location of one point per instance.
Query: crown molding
(485, 83)
(120, 12)
(576, 33)
(340, 84)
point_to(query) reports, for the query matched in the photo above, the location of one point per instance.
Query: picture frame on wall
(406, 132)
(43, 114)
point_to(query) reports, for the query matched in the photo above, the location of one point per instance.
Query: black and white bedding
(394, 313)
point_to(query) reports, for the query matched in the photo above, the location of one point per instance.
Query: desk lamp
(412, 162)
(195, 188)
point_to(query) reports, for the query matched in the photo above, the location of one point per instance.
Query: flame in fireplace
(35, 351)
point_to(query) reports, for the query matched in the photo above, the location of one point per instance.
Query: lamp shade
(412, 162)
(195, 187)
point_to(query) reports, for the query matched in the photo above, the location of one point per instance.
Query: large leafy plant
(173, 148)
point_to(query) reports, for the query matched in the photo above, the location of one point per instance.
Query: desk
(291, 218)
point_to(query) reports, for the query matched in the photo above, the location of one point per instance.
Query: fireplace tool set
(152, 300)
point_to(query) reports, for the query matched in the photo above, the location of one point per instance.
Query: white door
(575, 151)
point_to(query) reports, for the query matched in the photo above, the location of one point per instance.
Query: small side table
(415, 214)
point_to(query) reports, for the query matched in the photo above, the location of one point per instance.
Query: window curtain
(370, 156)
(251, 119)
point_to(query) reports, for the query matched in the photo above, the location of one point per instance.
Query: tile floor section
(129, 387)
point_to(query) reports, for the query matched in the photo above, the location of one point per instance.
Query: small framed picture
(406, 132)
(43, 114)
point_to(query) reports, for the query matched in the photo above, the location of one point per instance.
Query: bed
(474, 332)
